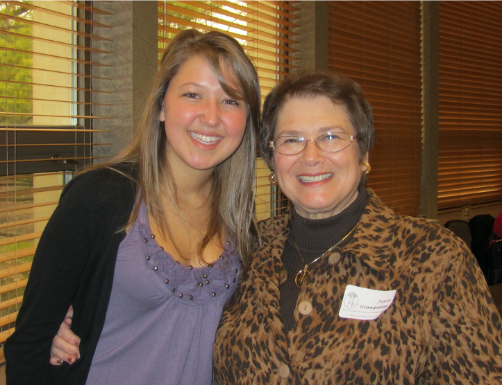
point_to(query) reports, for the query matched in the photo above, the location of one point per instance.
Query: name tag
(365, 304)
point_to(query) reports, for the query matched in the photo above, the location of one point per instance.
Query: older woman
(342, 289)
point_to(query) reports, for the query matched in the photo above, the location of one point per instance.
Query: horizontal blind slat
(13, 286)
(470, 96)
(53, 27)
(23, 268)
(59, 14)
(11, 302)
(378, 44)
(21, 238)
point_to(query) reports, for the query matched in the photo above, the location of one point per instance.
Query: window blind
(470, 104)
(378, 44)
(265, 30)
(46, 62)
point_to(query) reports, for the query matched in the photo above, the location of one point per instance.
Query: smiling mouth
(205, 139)
(317, 178)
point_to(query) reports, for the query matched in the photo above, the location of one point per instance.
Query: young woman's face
(203, 125)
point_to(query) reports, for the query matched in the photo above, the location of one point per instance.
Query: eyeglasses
(328, 142)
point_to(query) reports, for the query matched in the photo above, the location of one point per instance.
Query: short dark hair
(310, 84)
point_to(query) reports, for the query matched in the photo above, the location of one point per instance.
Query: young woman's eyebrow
(191, 84)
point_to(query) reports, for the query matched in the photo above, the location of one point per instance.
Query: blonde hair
(232, 205)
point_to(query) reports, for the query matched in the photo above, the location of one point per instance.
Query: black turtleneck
(313, 237)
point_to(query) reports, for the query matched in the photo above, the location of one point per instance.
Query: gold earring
(271, 178)
(368, 169)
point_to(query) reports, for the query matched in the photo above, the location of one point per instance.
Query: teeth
(317, 178)
(204, 139)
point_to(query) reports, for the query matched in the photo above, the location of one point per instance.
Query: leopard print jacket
(442, 327)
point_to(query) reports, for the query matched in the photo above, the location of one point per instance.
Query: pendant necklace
(302, 275)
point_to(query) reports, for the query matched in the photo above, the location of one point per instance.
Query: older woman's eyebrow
(289, 133)
(320, 131)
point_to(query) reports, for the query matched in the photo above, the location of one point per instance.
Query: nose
(312, 154)
(210, 115)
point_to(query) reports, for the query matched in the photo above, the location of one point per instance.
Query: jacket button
(284, 371)
(305, 307)
(334, 258)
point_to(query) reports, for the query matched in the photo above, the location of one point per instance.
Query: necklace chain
(302, 275)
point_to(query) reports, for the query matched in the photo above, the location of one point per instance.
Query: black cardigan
(74, 264)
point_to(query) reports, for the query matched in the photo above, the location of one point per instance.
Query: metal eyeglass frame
(352, 138)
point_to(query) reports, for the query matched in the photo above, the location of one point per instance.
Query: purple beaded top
(210, 281)
(162, 317)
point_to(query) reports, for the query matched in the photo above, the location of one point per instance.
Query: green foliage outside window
(16, 72)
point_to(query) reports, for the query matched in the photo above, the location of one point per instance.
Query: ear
(365, 160)
(162, 116)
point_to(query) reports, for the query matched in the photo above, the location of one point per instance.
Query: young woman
(148, 247)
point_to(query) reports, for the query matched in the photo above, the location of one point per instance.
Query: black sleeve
(61, 260)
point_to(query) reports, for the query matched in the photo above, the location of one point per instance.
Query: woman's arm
(62, 273)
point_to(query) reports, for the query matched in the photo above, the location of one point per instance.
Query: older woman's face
(319, 184)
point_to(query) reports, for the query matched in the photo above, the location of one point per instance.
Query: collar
(371, 242)
(318, 235)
